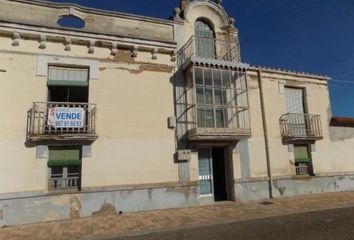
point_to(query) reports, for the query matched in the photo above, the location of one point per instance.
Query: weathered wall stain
(75, 207)
(150, 193)
(341, 133)
(2, 215)
(124, 55)
(186, 191)
(280, 189)
(144, 67)
(106, 209)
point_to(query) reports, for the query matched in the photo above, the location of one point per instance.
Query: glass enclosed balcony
(217, 104)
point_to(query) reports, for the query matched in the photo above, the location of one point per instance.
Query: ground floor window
(303, 161)
(64, 165)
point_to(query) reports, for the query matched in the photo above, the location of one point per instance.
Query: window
(205, 43)
(220, 98)
(295, 106)
(64, 168)
(303, 162)
(67, 84)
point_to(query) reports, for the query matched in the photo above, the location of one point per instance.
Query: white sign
(64, 117)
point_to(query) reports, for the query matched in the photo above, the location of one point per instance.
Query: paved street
(113, 226)
(331, 224)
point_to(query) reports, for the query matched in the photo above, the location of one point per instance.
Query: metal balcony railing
(41, 127)
(63, 183)
(302, 170)
(301, 126)
(209, 49)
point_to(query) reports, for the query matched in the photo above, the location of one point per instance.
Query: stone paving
(102, 227)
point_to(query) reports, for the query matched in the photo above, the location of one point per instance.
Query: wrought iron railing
(209, 48)
(38, 124)
(64, 183)
(306, 126)
(302, 170)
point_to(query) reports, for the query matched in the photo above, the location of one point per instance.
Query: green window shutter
(60, 76)
(301, 154)
(64, 157)
(72, 154)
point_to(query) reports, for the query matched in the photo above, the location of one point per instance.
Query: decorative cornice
(69, 38)
(217, 7)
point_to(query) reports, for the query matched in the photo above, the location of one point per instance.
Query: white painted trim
(44, 61)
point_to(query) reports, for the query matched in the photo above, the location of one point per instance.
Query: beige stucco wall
(281, 160)
(135, 145)
(342, 149)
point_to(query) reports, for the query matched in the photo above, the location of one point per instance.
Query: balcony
(217, 104)
(300, 127)
(61, 121)
(210, 51)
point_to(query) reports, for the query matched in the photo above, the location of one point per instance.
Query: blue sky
(315, 36)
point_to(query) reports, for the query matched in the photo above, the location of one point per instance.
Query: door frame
(229, 171)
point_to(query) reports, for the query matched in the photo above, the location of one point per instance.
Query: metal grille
(205, 172)
(302, 169)
(301, 126)
(37, 117)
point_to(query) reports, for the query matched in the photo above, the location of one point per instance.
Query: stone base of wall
(45, 208)
(293, 186)
(311, 185)
(250, 191)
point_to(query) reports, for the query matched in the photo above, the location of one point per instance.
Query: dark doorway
(219, 174)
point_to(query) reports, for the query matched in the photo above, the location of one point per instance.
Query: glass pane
(200, 96)
(209, 118)
(198, 76)
(219, 96)
(217, 78)
(226, 78)
(205, 171)
(208, 96)
(201, 117)
(219, 114)
(56, 172)
(73, 171)
(208, 77)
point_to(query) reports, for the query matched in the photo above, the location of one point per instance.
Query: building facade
(123, 113)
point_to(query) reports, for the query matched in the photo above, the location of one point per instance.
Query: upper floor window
(295, 100)
(205, 41)
(67, 84)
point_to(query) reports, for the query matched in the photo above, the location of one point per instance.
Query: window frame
(233, 97)
(308, 164)
(65, 175)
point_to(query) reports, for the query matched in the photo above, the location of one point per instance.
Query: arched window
(204, 38)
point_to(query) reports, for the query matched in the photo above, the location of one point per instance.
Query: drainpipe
(265, 131)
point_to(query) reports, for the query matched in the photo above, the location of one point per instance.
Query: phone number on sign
(68, 124)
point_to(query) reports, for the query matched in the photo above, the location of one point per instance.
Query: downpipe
(265, 132)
